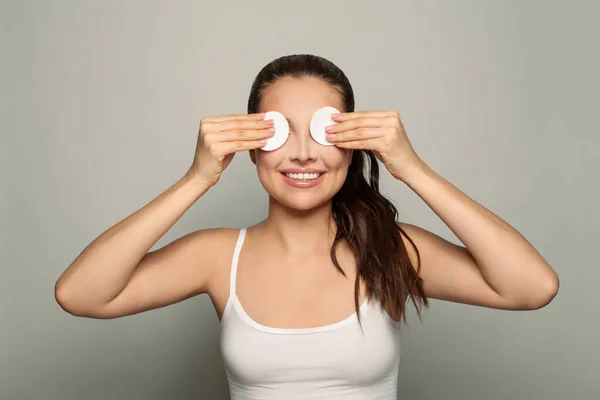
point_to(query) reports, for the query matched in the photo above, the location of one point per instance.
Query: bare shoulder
(431, 250)
(412, 236)
(210, 238)
(221, 242)
(211, 248)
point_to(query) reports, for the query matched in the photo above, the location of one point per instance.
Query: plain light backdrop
(101, 102)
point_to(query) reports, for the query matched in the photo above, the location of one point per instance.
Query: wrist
(193, 179)
(419, 171)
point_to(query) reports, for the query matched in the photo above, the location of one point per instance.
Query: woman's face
(297, 99)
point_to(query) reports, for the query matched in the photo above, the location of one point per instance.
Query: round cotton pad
(320, 119)
(282, 131)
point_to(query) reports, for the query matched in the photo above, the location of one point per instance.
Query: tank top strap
(234, 261)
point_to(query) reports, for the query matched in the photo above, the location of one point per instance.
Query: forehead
(297, 96)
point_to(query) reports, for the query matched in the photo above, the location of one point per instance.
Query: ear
(252, 156)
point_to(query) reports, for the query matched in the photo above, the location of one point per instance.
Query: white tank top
(336, 361)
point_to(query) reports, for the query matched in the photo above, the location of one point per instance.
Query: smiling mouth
(303, 176)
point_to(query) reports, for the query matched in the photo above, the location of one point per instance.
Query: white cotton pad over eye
(282, 131)
(320, 119)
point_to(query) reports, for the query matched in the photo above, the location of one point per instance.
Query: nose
(303, 148)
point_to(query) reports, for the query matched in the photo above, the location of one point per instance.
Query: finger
(226, 148)
(368, 144)
(355, 123)
(233, 117)
(244, 135)
(365, 113)
(242, 125)
(356, 134)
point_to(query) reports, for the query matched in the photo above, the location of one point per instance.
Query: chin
(298, 203)
(300, 200)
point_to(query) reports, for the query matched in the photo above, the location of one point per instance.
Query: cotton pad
(282, 131)
(320, 119)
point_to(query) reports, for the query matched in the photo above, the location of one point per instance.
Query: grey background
(100, 109)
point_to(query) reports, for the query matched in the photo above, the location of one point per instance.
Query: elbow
(545, 295)
(75, 305)
(552, 288)
(61, 297)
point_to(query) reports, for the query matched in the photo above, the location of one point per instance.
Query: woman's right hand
(219, 138)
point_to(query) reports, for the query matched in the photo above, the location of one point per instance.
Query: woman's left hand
(379, 131)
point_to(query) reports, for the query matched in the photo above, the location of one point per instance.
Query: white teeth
(305, 177)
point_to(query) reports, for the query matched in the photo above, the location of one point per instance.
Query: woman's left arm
(498, 268)
(503, 258)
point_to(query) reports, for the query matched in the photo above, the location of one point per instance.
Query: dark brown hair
(365, 219)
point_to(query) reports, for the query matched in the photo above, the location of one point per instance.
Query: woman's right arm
(116, 275)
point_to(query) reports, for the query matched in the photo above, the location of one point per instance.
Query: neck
(299, 232)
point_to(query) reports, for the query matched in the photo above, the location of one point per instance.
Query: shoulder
(205, 241)
(420, 243)
(212, 242)
(411, 237)
(213, 236)
(213, 248)
(205, 250)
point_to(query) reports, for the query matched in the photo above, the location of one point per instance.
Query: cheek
(266, 162)
(335, 158)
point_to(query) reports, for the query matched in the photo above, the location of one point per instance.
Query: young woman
(311, 299)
